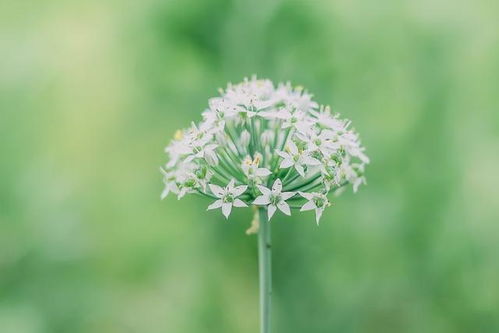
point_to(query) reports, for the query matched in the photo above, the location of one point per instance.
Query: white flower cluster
(266, 146)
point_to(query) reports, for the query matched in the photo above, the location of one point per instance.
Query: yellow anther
(179, 135)
(248, 161)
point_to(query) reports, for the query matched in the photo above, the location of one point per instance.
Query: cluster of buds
(268, 146)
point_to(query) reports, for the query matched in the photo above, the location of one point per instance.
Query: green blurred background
(92, 91)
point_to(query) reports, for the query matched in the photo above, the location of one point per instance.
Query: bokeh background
(92, 91)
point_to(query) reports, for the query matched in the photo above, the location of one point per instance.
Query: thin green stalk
(265, 271)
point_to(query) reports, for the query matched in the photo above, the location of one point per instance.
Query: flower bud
(245, 138)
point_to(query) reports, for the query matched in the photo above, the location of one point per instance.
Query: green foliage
(91, 91)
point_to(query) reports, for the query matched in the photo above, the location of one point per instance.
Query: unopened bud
(245, 138)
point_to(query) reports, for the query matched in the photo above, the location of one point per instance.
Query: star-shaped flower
(317, 201)
(251, 169)
(274, 198)
(322, 142)
(296, 158)
(206, 152)
(169, 179)
(228, 197)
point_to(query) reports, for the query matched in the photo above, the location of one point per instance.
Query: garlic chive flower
(297, 159)
(317, 201)
(260, 144)
(274, 199)
(228, 197)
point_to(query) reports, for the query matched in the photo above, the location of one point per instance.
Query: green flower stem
(265, 270)
(232, 136)
(295, 184)
(227, 165)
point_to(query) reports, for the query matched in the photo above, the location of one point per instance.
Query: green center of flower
(190, 183)
(274, 199)
(280, 104)
(320, 202)
(317, 142)
(201, 173)
(228, 198)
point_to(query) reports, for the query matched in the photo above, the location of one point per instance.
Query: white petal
(318, 214)
(287, 195)
(271, 211)
(292, 147)
(182, 193)
(215, 205)
(264, 190)
(210, 147)
(226, 209)
(310, 160)
(230, 186)
(216, 190)
(262, 172)
(308, 196)
(300, 170)
(238, 190)
(165, 192)
(262, 200)
(326, 135)
(277, 187)
(302, 136)
(239, 203)
(284, 207)
(308, 206)
(282, 154)
(286, 163)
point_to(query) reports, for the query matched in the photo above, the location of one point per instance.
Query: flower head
(259, 144)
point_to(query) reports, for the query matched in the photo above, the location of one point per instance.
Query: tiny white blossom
(207, 152)
(267, 137)
(170, 184)
(228, 197)
(322, 142)
(245, 138)
(324, 118)
(251, 168)
(296, 158)
(317, 201)
(274, 198)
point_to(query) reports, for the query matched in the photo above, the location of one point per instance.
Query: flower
(322, 142)
(169, 181)
(296, 158)
(274, 198)
(273, 142)
(228, 197)
(317, 201)
(251, 169)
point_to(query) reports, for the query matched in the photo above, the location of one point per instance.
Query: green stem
(264, 266)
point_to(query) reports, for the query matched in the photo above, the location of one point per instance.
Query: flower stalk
(265, 271)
